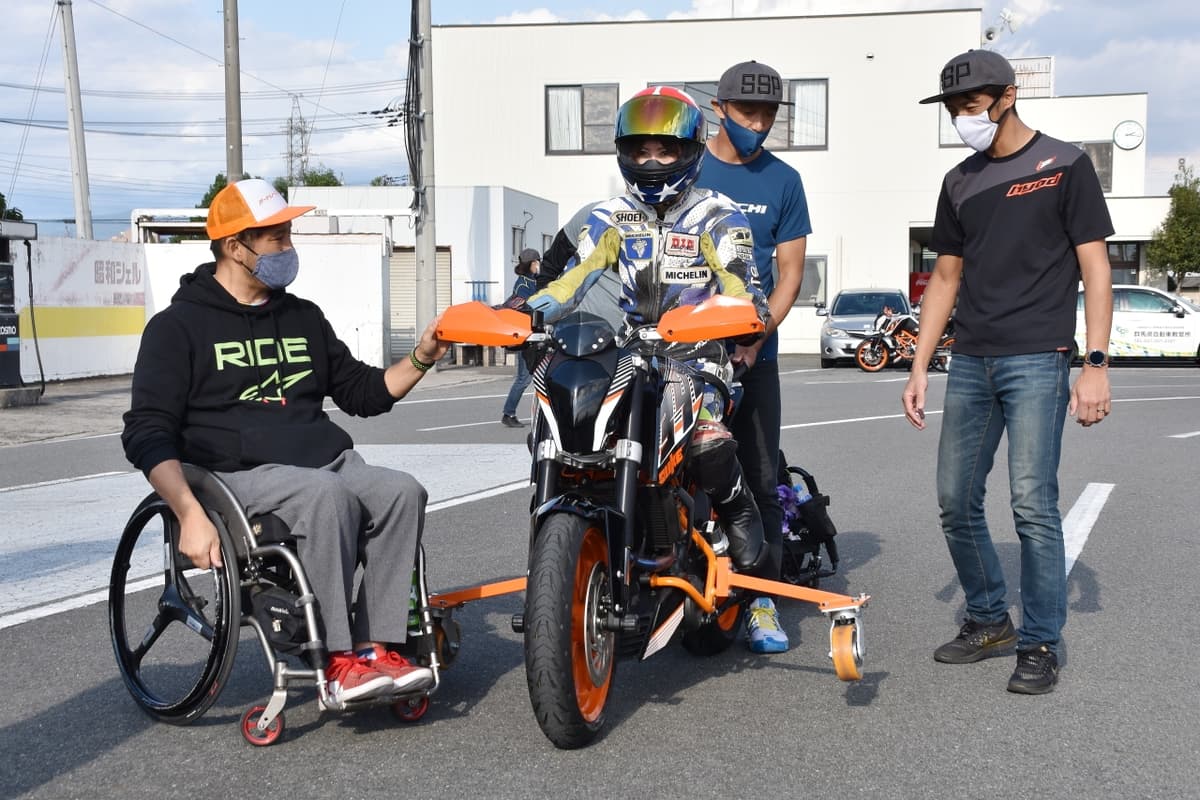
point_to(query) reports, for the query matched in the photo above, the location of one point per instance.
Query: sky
(152, 80)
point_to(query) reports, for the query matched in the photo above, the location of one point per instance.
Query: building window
(547, 240)
(1101, 155)
(810, 115)
(518, 242)
(1125, 258)
(803, 126)
(579, 119)
(812, 285)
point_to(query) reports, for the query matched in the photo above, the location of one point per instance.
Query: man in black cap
(771, 194)
(528, 281)
(1019, 223)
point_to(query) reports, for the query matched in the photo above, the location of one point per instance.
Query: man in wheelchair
(232, 376)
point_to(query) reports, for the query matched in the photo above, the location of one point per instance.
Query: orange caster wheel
(845, 649)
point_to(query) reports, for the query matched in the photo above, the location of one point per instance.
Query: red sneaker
(406, 676)
(351, 679)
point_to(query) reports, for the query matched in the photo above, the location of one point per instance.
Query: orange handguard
(478, 323)
(718, 317)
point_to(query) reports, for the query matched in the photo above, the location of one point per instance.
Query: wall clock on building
(1128, 135)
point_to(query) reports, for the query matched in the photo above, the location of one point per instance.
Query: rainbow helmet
(665, 112)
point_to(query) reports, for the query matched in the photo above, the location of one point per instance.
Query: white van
(1148, 323)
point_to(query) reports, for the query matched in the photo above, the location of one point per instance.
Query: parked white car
(1147, 323)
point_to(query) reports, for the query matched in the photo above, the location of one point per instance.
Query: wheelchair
(175, 628)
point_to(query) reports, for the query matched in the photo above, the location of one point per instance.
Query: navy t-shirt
(771, 195)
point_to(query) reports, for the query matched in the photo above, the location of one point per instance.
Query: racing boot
(712, 462)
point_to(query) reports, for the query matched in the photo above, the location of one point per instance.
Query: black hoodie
(229, 386)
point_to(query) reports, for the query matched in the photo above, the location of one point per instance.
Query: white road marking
(1080, 519)
(460, 425)
(71, 603)
(1183, 435)
(101, 595)
(61, 480)
(849, 419)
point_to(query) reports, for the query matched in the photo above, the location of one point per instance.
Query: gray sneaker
(977, 641)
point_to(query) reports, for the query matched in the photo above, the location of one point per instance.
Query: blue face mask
(276, 270)
(745, 141)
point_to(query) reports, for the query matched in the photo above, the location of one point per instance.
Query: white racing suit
(700, 247)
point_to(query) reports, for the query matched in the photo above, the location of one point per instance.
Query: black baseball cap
(751, 82)
(972, 71)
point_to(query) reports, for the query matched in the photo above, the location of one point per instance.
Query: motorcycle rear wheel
(871, 355)
(569, 657)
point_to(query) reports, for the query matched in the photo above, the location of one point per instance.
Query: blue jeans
(518, 388)
(1026, 395)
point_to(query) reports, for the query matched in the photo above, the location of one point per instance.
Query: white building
(532, 107)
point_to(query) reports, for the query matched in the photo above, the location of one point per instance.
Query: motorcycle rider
(888, 315)
(673, 244)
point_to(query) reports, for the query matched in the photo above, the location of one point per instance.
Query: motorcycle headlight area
(576, 390)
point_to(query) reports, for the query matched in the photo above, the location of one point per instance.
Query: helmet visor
(660, 115)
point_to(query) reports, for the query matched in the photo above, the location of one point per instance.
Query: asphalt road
(1120, 724)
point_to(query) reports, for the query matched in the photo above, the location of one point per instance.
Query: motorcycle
(895, 340)
(624, 550)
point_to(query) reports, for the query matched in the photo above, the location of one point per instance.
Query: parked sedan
(1147, 323)
(851, 317)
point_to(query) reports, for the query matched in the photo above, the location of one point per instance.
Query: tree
(320, 176)
(219, 183)
(1175, 248)
(9, 213)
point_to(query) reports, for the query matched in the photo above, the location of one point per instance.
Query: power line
(207, 56)
(62, 126)
(33, 99)
(129, 94)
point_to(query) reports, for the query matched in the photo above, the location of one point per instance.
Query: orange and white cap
(252, 203)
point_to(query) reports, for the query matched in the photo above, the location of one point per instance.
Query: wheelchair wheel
(174, 628)
(411, 710)
(253, 735)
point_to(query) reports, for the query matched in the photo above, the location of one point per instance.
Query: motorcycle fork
(629, 462)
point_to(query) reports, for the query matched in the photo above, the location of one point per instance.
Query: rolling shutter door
(402, 296)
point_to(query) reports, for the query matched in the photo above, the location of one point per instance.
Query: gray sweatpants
(343, 514)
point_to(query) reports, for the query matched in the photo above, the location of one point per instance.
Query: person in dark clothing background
(232, 376)
(529, 280)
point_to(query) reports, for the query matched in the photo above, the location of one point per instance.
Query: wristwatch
(1096, 358)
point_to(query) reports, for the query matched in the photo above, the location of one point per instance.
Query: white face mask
(977, 130)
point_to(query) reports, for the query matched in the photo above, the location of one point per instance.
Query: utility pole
(233, 95)
(79, 170)
(426, 243)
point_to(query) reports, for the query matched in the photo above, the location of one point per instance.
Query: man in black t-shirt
(1019, 224)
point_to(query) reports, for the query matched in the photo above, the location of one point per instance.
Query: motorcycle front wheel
(569, 656)
(871, 355)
